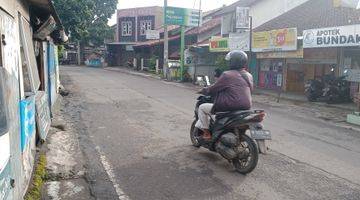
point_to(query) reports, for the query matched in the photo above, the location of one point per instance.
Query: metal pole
(166, 42)
(182, 49)
(250, 42)
(197, 53)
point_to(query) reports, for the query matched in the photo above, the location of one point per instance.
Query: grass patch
(39, 178)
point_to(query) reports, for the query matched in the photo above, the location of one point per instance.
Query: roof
(232, 7)
(209, 25)
(311, 15)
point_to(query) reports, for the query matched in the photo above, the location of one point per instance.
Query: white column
(142, 64)
(157, 66)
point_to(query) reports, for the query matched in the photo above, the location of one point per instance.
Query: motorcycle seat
(220, 115)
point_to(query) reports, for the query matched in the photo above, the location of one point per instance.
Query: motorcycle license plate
(260, 134)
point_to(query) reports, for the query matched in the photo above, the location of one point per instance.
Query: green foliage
(86, 20)
(39, 177)
(61, 51)
(221, 63)
(153, 62)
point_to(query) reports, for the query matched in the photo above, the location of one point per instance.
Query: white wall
(265, 10)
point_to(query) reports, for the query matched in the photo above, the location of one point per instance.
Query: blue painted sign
(27, 117)
(52, 74)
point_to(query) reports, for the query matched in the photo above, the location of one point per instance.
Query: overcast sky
(206, 4)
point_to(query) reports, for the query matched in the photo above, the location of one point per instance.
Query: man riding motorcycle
(232, 91)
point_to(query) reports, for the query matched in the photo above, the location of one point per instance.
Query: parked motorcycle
(229, 136)
(330, 90)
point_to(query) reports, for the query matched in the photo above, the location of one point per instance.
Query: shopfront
(272, 49)
(346, 41)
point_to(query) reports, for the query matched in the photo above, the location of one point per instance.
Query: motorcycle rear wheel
(246, 164)
(194, 134)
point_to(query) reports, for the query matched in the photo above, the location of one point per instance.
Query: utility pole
(197, 53)
(182, 49)
(166, 42)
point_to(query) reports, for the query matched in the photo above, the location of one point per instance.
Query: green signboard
(219, 44)
(182, 16)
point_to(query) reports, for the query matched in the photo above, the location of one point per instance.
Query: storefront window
(270, 71)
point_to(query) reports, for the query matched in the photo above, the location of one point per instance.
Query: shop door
(295, 78)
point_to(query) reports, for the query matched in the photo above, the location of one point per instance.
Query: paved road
(134, 134)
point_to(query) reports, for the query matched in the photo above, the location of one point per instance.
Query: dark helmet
(237, 59)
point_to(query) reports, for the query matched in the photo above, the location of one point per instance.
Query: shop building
(333, 49)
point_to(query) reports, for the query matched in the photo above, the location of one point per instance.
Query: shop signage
(182, 16)
(129, 48)
(353, 75)
(275, 40)
(239, 41)
(281, 54)
(313, 61)
(341, 36)
(242, 17)
(152, 35)
(219, 44)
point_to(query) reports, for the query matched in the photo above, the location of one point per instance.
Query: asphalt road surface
(134, 134)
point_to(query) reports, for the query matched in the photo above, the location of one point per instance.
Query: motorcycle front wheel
(194, 133)
(248, 155)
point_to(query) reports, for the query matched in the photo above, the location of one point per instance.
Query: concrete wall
(266, 10)
(11, 84)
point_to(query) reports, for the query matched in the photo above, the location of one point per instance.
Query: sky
(206, 4)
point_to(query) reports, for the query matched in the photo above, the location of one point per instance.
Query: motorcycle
(330, 90)
(229, 137)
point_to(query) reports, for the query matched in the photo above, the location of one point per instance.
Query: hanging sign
(275, 40)
(152, 35)
(219, 44)
(342, 36)
(242, 17)
(239, 41)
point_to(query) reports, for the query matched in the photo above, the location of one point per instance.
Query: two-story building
(131, 28)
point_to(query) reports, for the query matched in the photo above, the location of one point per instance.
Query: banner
(239, 41)
(342, 36)
(275, 40)
(219, 44)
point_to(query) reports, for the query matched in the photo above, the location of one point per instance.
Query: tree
(86, 20)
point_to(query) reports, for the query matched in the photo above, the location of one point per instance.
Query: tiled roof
(232, 7)
(313, 14)
(209, 25)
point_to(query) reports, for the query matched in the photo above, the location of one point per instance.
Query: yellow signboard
(275, 40)
(281, 54)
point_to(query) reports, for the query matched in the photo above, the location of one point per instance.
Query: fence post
(142, 64)
(157, 66)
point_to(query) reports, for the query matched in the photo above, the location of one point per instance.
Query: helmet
(237, 59)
